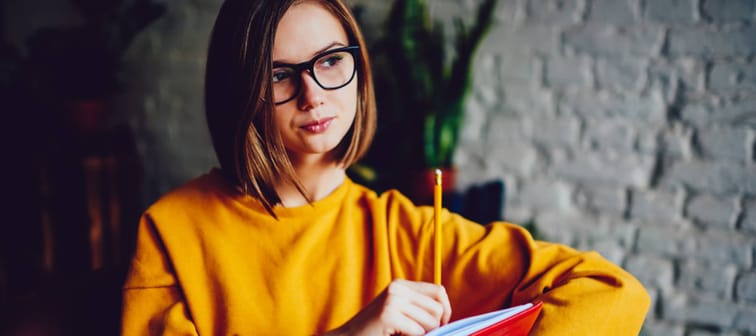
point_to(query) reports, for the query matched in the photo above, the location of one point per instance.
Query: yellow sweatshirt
(211, 261)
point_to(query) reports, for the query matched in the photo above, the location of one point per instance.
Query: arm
(582, 292)
(152, 300)
(488, 267)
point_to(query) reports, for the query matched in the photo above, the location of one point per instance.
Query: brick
(662, 328)
(744, 320)
(695, 331)
(652, 271)
(562, 131)
(733, 77)
(686, 75)
(473, 171)
(647, 109)
(517, 158)
(610, 200)
(609, 133)
(475, 120)
(608, 249)
(676, 141)
(711, 211)
(716, 279)
(650, 140)
(607, 236)
(724, 143)
(654, 205)
(611, 12)
(519, 214)
(621, 74)
(554, 12)
(485, 83)
(600, 40)
(609, 168)
(745, 287)
(568, 71)
(723, 249)
(721, 178)
(712, 248)
(670, 11)
(552, 228)
(700, 311)
(586, 231)
(509, 11)
(708, 42)
(469, 154)
(748, 220)
(506, 38)
(721, 11)
(518, 68)
(528, 101)
(735, 112)
(503, 130)
(556, 156)
(545, 194)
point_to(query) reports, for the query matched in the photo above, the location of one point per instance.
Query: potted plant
(421, 90)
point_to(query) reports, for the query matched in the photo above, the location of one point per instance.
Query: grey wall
(625, 126)
(628, 127)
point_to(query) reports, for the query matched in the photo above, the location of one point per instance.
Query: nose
(311, 94)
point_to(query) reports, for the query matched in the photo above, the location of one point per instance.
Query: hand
(403, 308)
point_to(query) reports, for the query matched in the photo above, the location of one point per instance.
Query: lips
(318, 126)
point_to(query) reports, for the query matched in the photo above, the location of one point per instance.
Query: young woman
(278, 240)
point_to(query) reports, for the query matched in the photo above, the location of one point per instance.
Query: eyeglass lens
(331, 71)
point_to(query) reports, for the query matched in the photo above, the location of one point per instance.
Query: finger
(433, 292)
(446, 304)
(404, 325)
(422, 317)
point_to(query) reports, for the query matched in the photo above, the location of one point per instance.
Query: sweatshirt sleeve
(488, 267)
(582, 293)
(152, 300)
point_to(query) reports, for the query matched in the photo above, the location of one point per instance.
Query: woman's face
(312, 123)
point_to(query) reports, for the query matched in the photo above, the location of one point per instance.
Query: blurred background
(623, 126)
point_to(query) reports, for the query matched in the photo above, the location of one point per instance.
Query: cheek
(282, 119)
(351, 100)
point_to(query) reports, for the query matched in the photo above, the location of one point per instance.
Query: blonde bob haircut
(239, 103)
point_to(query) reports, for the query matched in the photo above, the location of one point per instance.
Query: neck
(318, 177)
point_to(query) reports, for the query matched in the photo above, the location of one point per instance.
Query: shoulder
(389, 198)
(201, 194)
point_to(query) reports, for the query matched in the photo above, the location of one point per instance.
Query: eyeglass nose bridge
(300, 70)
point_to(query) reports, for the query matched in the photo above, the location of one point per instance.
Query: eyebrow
(317, 52)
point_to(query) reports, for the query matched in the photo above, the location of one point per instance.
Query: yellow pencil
(437, 228)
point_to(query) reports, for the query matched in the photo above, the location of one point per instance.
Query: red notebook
(514, 321)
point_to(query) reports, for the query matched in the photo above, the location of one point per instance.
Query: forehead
(305, 29)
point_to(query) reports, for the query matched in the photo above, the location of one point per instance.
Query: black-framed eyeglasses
(332, 69)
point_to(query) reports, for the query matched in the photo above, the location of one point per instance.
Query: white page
(471, 324)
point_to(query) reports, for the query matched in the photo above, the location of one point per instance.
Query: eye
(331, 60)
(281, 74)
